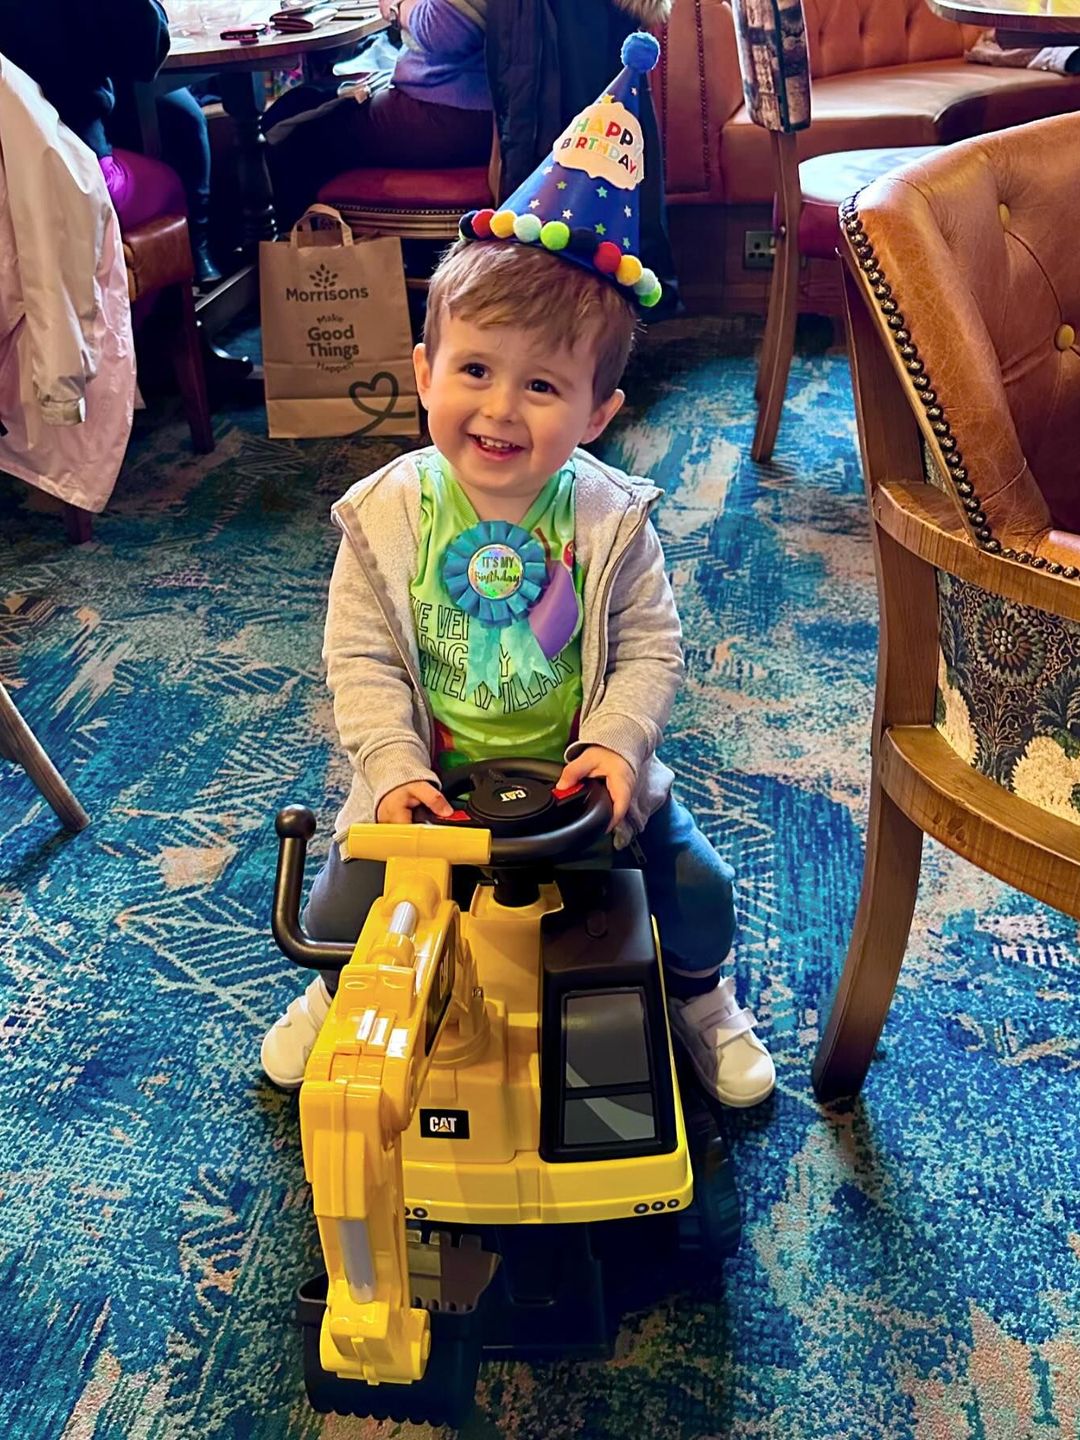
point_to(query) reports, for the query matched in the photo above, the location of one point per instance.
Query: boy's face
(504, 408)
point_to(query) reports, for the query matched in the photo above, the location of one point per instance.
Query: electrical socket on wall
(759, 249)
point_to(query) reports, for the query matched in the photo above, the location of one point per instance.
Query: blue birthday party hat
(582, 202)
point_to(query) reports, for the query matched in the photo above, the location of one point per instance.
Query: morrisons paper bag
(337, 347)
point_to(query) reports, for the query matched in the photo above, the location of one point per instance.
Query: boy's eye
(475, 370)
(542, 387)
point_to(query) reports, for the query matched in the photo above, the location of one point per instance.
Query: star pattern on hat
(596, 179)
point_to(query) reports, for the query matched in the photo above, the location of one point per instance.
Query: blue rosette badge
(496, 572)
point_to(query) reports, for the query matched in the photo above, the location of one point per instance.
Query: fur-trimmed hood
(649, 12)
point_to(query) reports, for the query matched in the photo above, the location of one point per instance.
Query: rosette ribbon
(496, 572)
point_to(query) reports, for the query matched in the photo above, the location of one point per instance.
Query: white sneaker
(719, 1038)
(288, 1042)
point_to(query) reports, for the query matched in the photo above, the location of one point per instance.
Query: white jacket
(67, 362)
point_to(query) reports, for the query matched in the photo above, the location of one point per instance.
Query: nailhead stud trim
(852, 226)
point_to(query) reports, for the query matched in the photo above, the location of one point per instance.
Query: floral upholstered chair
(774, 61)
(963, 297)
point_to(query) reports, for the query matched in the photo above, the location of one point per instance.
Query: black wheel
(711, 1227)
(713, 1223)
(446, 1394)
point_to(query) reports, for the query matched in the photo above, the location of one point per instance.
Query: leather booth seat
(930, 103)
(463, 189)
(885, 74)
(828, 180)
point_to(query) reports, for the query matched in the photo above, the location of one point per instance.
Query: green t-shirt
(528, 702)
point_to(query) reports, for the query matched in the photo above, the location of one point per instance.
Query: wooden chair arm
(926, 522)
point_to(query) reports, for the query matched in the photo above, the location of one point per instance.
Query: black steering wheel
(529, 818)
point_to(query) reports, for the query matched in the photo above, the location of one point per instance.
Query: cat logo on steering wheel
(508, 796)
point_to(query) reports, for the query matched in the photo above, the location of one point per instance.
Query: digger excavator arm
(408, 978)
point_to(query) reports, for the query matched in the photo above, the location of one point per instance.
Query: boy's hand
(597, 762)
(396, 806)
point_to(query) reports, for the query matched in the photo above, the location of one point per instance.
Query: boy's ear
(603, 415)
(422, 371)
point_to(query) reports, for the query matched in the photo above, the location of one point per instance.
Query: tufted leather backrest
(867, 34)
(696, 90)
(969, 259)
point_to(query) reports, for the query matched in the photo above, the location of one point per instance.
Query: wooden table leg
(241, 95)
(19, 743)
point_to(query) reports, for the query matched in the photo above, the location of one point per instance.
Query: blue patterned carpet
(910, 1270)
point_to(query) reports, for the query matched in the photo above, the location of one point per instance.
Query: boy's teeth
(494, 444)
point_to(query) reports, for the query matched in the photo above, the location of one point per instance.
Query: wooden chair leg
(189, 370)
(19, 743)
(779, 342)
(878, 942)
(78, 523)
(776, 366)
(768, 337)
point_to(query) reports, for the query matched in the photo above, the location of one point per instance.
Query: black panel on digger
(606, 1089)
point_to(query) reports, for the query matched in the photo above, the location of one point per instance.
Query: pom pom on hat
(527, 229)
(502, 224)
(555, 235)
(630, 270)
(607, 258)
(640, 51)
(582, 242)
(481, 224)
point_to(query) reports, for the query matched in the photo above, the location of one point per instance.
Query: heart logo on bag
(379, 403)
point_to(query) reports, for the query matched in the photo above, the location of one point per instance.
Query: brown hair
(499, 283)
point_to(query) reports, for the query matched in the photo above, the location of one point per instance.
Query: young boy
(520, 365)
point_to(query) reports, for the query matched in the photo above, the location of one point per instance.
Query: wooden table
(1019, 24)
(236, 66)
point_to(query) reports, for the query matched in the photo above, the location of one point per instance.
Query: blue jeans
(689, 888)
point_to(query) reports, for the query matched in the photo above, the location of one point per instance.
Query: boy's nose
(500, 403)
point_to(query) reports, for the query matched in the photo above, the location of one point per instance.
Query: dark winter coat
(75, 49)
(547, 60)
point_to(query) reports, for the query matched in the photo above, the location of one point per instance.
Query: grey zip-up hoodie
(631, 652)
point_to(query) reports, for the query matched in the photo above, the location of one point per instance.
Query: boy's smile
(506, 410)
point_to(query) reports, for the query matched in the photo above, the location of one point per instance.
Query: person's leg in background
(690, 891)
(185, 144)
(342, 893)
(391, 128)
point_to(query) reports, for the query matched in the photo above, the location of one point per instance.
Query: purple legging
(142, 188)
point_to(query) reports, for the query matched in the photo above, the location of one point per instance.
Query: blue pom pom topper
(640, 51)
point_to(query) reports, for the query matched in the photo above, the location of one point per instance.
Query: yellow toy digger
(491, 1115)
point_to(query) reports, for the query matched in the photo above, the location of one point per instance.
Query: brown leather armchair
(963, 294)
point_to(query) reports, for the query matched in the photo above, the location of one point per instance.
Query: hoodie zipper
(604, 599)
(406, 659)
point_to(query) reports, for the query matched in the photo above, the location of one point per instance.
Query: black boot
(207, 275)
